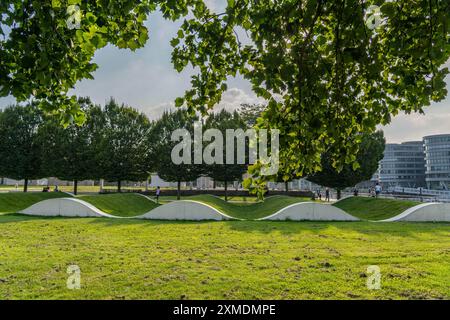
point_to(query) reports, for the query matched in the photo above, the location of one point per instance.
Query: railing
(437, 195)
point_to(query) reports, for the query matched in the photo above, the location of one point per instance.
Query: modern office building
(437, 155)
(403, 165)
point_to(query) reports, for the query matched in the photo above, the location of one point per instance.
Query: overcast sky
(147, 81)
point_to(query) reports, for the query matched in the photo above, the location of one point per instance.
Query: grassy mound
(249, 211)
(16, 201)
(121, 205)
(374, 209)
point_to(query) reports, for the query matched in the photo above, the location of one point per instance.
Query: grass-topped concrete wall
(185, 210)
(428, 212)
(206, 207)
(311, 211)
(65, 207)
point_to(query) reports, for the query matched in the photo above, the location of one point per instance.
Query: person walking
(158, 193)
(327, 195)
(378, 190)
(319, 194)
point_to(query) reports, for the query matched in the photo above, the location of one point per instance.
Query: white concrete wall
(197, 211)
(185, 210)
(311, 211)
(64, 207)
(428, 212)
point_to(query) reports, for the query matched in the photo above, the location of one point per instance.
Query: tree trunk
(178, 190)
(286, 186)
(226, 190)
(338, 194)
(214, 184)
(75, 187)
(25, 185)
(119, 186)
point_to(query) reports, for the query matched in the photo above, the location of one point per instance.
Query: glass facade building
(403, 165)
(437, 156)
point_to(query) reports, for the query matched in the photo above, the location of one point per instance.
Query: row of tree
(118, 143)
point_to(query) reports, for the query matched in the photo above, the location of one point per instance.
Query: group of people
(376, 191)
(47, 189)
(373, 191)
(327, 194)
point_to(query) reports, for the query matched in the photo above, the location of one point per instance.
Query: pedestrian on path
(327, 195)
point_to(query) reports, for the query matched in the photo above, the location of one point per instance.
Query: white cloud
(231, 101)
(234, 97)
(155, 112)
(415, 126)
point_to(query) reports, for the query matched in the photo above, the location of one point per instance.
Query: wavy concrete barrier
(428, 212)
(198, 211)
(311, 211)
(185, 210)
(65, 207)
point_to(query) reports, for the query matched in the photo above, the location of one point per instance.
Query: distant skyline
(146, 80)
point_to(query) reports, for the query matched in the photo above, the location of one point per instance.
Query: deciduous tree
(226, 172)
(67, 152)
(163, 145)
(366, 164)
(327, 71)
(20, 150)
(121, 149)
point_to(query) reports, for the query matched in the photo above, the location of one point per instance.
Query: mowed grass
(250, 210)
(121, 205)
(373, 208)
(128, 259)
(16, 201)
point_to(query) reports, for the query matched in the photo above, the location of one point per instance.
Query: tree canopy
(121, 148)
(67, 153)
(47, 46)
(225, 173)
(367, 161)
(113, 144)
(20, 149)
(162, 146)
(326, 73)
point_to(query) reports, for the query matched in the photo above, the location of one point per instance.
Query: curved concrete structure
(311, 211)
(428, 212)
(185, 210)
(197, 211)
(65, 207)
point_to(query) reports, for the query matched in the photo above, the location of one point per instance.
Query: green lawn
(121, 205)
(374, 209)
(128, 259)
(249, 210)
(17, 201)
